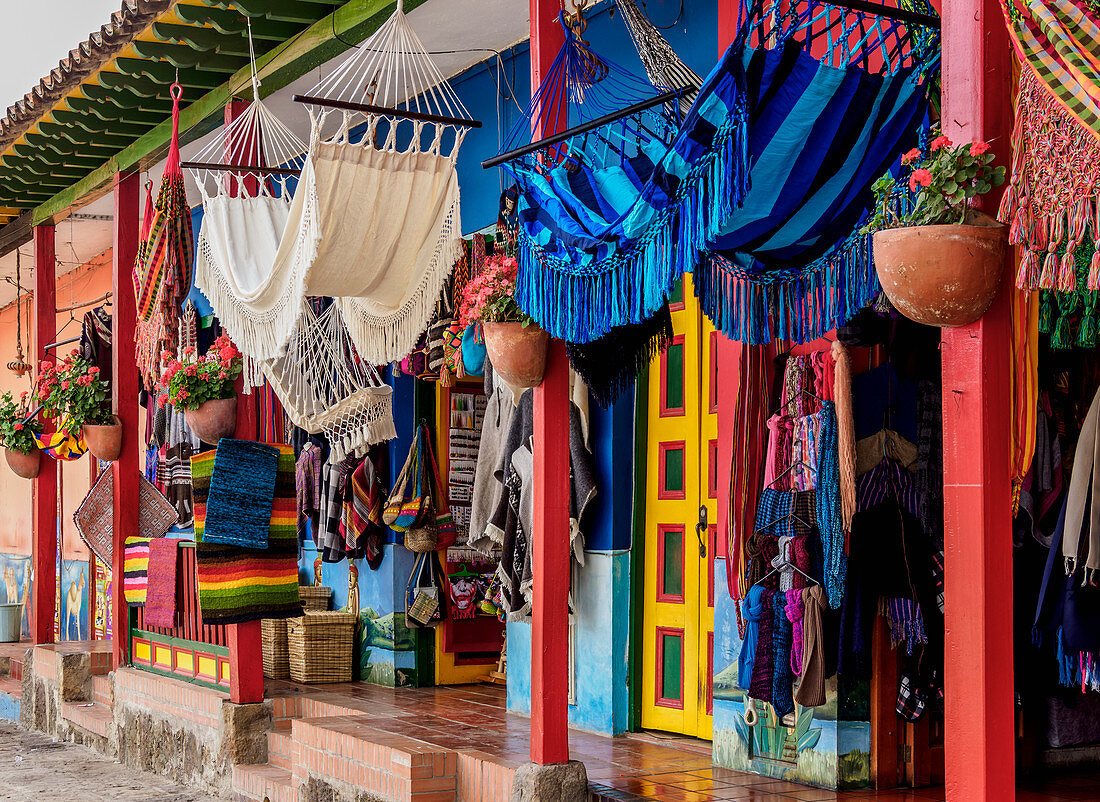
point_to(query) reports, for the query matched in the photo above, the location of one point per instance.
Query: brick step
(263, 784)
(280, 747)
(15, 667)
(101, 690)
(93, 716)
(349, 750)
(11, 698)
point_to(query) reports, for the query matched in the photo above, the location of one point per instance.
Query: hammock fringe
(820, 298)
(630, 286)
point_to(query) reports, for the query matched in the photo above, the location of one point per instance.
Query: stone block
(244, 732)
(74, 677)
(561, 782)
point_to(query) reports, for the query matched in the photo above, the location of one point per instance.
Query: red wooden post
(978, 677)
(44, 524)
(124, 400)
(246, 677)
(550, 544)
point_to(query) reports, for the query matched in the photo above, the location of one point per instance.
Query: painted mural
(818, 746)
(385, 647)
(71, 622)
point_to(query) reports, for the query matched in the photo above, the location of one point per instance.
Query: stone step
(265, 783)
(101, 690)
(11, 698)
(347, 749)
(90, 716)
(280, 746)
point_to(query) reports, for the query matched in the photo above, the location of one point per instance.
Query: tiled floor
(626, 768)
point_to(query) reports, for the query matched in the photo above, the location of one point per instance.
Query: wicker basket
(315, 597)
(321, 646)
(275, 648)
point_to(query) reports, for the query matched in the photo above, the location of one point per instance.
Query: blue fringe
(581, 305)
(797, 306)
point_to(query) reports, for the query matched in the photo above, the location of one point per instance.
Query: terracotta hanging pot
(944, 275)
(213, 420)
(104, 440)
(25, 466)
(518, 354)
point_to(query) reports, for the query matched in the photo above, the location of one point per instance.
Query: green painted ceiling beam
(95, 126)
(186, 57)
(205, 39)
(353, 22)
(285, 10)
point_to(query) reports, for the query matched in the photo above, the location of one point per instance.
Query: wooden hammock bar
(240, 168)
(584, 128)
(889, 12)
(105, 297)
(367, 108)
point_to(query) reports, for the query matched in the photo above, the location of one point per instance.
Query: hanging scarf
(781, 697)
(750, 382)
(846, 430)
(906, 624)
(830, 522)
(610, 364)
(1084, 482)
(752, 608)
(811, 690)
(795, 612)
(162, 272)
(760, 684)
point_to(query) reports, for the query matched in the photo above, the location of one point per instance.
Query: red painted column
(44, 516)
(246, 677)
(550, 543)
(124, 400)
(978, 677)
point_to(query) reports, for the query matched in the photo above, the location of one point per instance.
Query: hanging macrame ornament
(162, 273)
(19, 365)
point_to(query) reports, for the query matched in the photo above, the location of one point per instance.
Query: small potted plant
(203, 387)
(515, 344)
(938, 259)
(75, 392)
(18, 434)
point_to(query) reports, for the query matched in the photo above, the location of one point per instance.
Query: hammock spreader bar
(240, 168)
(386, 111)
(584, 128)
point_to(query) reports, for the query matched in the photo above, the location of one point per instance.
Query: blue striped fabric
(759, 195)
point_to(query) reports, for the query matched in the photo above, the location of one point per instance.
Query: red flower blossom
(939, 142)
(911, 156)
(919, 177)
(19, 427)
(65, 385)
(978, 148)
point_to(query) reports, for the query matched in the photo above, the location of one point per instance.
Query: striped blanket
(760, 194)
(238, 584)
(135, 570)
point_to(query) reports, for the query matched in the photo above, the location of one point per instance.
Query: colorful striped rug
(135, 568)
(237, 584)
(160, 598)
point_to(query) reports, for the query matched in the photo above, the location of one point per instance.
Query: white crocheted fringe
(358, 422)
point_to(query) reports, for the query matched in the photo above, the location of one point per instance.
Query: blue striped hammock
(759, 191)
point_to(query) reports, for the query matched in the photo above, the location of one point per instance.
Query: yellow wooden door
(678, 608)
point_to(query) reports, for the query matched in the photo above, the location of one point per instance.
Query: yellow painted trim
(162, 655)
(208, 667)
(142, 651)
(185, 660)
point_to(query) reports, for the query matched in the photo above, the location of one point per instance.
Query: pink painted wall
(85, 282)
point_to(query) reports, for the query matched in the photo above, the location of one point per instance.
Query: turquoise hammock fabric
(759, 191)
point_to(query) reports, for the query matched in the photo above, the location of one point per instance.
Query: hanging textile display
(318, 377)
(374, 221)
(162, 272)
(760, 190)
(660, 61)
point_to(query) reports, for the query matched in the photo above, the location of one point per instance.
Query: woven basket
(275, 648)
(315, 597)
(321, 646)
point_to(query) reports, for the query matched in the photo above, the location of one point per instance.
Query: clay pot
(25, 466)
(518, 354)
(942, 275)
(104, 441)
(213, 420)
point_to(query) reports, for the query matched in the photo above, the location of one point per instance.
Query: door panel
(678, 609)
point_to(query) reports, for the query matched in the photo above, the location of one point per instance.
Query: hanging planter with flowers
(18, 435)
(515, 344)
(941, 262)
(75, 393)
(204, 388)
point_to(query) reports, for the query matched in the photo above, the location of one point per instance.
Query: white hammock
(325, 387)
(320, 381)
(374, 224)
